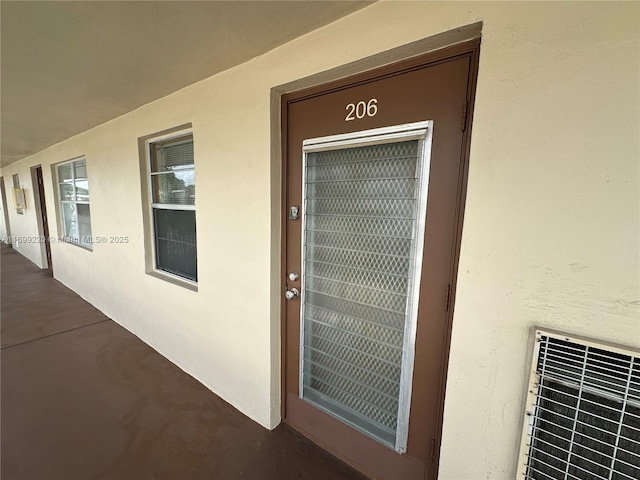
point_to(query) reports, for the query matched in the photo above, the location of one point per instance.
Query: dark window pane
(176, 249)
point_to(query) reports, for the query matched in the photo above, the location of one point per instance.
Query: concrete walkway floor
(82, 398)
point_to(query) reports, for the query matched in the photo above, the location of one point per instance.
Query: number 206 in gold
(361, 109)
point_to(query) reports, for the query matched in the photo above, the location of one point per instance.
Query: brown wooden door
(352, 373)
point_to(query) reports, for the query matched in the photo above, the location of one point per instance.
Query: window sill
(71, 241)
(176, 280)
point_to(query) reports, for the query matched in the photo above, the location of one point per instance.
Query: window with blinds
(583, 420)
(363, 229)
(173, 200)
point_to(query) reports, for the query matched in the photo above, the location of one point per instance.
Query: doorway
(5, 211)
(375, 170)
(41, 213)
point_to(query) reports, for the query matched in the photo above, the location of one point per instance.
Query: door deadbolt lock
(293, 276)
(291, 294)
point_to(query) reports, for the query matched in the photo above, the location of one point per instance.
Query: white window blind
(583, 418)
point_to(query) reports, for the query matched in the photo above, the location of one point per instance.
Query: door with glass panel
(375, 169)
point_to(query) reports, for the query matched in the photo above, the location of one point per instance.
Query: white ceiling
(69, 66)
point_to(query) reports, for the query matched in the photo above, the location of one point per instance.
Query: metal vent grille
(584, 420)
(362, 208)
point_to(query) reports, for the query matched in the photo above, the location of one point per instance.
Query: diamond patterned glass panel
(360, 222)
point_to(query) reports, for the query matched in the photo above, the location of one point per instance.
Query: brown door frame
(471, 48)
(41, 211)
(5, 211)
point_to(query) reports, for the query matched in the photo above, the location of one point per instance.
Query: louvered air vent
(583, 414)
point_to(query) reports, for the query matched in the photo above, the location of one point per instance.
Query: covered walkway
(82, 398)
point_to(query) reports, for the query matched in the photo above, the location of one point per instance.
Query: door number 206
(361, 109)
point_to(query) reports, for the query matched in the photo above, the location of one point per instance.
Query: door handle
(291, 294)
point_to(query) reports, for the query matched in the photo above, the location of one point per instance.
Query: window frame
(61, 202)
(151, 206)
(15, 178)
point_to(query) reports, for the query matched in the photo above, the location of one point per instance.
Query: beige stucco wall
(551, 233)
(25, 230)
